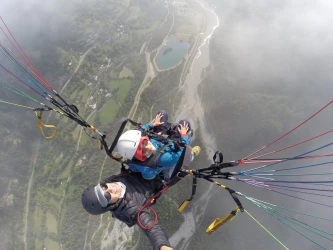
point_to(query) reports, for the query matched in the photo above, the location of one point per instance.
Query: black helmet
(90, 202)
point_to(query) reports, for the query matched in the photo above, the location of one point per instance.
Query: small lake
(171, 53)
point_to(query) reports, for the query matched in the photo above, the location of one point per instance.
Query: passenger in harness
(156, 147)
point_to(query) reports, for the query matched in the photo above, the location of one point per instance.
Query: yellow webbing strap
(183, 205)
(218, 222)
(99, 144)
(194, 188)
(40, 125)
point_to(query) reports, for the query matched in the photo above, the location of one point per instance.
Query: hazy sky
(270, 41)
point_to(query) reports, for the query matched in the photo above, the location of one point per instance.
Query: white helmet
(128, 143)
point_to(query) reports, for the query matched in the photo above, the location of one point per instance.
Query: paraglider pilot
(124, 195)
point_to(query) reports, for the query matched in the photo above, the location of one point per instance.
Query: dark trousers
(172, 128)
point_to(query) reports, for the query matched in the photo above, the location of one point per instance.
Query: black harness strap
(183, 163)
(119, 133)
(187, 157)
(234, 196)
(194, 188)
(151, 162)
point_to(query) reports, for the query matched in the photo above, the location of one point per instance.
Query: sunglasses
(107, 195)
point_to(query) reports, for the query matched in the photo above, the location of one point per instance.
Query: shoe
(196, 151)
(190, 133)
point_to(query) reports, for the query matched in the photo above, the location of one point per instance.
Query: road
(26, 210)
(151, 72)
(77, 67)
(27, 202)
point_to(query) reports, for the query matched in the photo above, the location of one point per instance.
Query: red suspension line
(277, 160)
(33, 68)
(30, 67)
(294, 145)
(19, 61)
(289, 131)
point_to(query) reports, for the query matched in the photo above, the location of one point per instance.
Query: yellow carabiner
(40, 125)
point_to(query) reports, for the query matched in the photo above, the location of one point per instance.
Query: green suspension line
(288, 209)
(19, 93)
(264, 208)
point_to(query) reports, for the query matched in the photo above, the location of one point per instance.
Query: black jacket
(138, 191)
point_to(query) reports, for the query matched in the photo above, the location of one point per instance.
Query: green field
(71, 189)
(66, 171)
(38, 218)
(91, 120)
(123, 86)
(125, 72)
(84, 93)
(55, 191)
(149, 30)
(76, 132)
(51, 244)
(59, 190)
(51, 223)
(55, 203)
(38, 245)
(109, 111)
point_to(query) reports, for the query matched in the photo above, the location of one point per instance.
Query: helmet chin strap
(153, 149)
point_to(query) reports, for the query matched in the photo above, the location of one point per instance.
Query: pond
(171, 54)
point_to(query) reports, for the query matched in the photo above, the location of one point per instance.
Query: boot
(196, 151)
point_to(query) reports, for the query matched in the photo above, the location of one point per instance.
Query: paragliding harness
(180, 171)
(152, 161)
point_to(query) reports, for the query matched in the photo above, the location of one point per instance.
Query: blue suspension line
(254, 174)
(287, 159)
(320, 183)
(295, 191)
(314, 202)
(293, 168)
(23, 71)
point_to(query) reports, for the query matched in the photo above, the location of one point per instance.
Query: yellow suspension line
(267, 230)
(16, 104)
(40, 124)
